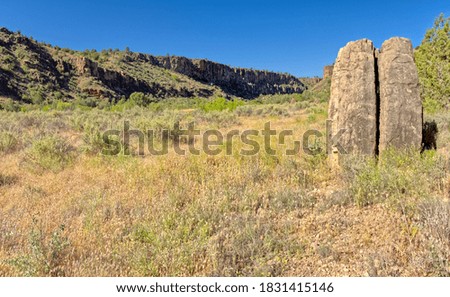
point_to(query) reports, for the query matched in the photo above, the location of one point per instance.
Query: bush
(93, 140)
(8, 142)
(140, 99)
(90, 102)
(48, 153)
(10, 105)
(61, 105)
(36, 95)
(221, 104)
(399, 178)
(47, 255)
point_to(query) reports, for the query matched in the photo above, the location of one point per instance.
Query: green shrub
(10, 105)
(93, 140)
(47, 255)
(220, 104)
(140, 99)
(164, 125)
(48, 153)
(8, 142)
(401, 178)
(86, 102)
(36, 95)
(61, 105)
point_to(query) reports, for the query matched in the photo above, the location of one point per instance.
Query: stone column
(400, 103)
(353, 98)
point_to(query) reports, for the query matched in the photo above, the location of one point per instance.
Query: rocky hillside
(33, 71)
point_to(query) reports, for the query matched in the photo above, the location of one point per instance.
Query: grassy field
(68, 210)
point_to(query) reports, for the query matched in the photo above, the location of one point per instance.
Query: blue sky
(298, 37)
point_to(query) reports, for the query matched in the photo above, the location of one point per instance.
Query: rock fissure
(377, 103)
(375, 97)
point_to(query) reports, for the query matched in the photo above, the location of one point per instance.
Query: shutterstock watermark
(189, 140)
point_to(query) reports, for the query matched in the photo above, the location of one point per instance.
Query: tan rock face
(327, 71)
(400, 103)
(375, 98)
(353, 98)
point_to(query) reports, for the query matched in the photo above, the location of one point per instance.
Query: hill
(31, 71)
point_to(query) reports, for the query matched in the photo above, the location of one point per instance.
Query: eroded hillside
(33, 71)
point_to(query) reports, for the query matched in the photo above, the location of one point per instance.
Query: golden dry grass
(221, 215)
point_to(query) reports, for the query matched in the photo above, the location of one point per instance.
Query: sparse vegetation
(8, 142)
(220, 104)
(261, 215)
(69, 209)
(47, 153)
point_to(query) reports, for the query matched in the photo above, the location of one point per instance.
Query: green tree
(433, 64)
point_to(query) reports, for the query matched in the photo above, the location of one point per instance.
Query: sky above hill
(298, 37)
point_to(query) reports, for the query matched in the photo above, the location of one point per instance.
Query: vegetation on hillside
(35, 72)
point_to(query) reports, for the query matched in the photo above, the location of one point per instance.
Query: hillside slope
(33, 71)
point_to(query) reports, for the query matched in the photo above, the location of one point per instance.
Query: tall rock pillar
(353, 99)
(400, 103)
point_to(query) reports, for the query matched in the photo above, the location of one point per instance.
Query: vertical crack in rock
(377, 103)
(375, 98)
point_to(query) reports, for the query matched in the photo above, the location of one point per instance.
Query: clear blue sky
(298, 37)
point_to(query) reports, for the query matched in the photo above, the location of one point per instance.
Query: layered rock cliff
(245, 83)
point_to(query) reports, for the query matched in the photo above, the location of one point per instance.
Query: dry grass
(221, 215)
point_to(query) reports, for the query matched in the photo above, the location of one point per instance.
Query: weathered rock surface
(353, 98)
(400, 103)
(327, 71)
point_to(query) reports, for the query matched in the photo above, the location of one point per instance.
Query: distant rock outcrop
(118, 82)
(353, 98)
(375, 99)
(327, 71)
(245, 83)
(400, 103)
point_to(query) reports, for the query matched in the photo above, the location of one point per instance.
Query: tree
(433, 64)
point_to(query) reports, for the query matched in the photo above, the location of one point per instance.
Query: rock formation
(353, 98)
(400, 103)
(327, 71)
(245, 83)
(375, 98)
